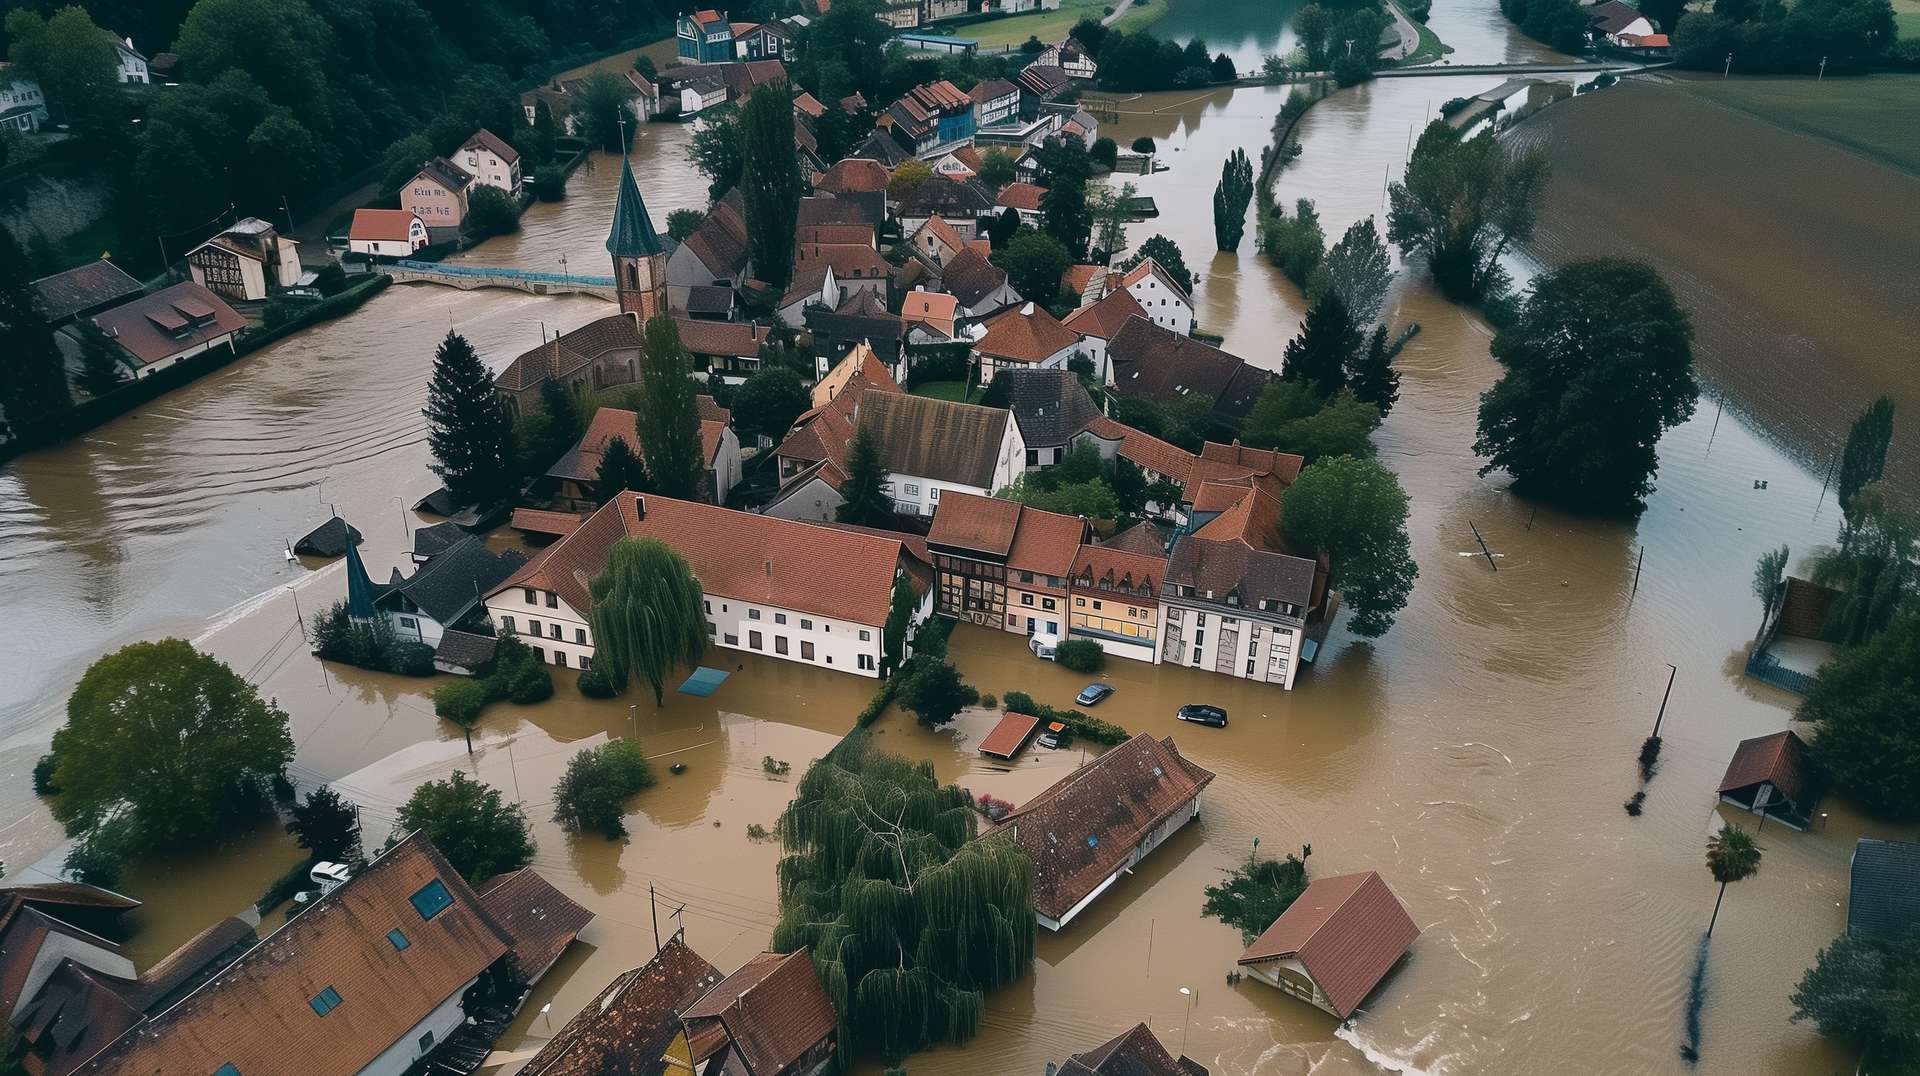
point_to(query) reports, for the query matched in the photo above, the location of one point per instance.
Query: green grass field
(945, 390)
(1873, 115)
(1048, 26)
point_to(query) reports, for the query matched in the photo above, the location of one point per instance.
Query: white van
(1044, 646)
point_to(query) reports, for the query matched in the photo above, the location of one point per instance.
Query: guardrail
(502, 273)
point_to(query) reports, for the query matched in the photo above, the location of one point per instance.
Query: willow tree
(646, 615)
(910, 920)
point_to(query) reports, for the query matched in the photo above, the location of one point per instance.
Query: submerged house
(1133, 1052)
(1883, 900)
(1335, 943)
(626, 1030)
(1769, 776)
(772, 1016)
(1094, 824)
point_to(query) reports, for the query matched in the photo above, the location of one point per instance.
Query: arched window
(633, 275)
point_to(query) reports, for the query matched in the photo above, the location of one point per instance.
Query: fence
(1764, 666)
(496, 272)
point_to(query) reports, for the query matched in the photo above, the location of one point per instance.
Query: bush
(1351, 70)
(931, 639)
(491, 211)
(282, 889)
(776, 767)
(1081, 655)
(1079, 724)
(990, 702)
(592, 795)
(1143, 144)
(1452, 105)
(1105, 152)
(460, 701)
(330, 279)
(594, 684)
(1019, 702)
(550, 183)
(530, 684)
(43, 784)
(876, 705)
(931, 687)
(410, 659)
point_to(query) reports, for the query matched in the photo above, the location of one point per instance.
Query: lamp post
(1729, 67)
(1187, 1022)
(406, 525)
(1822, 77)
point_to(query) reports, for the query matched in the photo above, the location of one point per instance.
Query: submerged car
(1092, 694)
(1056, 736)
(1211, 716)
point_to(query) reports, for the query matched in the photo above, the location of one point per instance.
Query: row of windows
(1045, 603)
(1081, 603)
(532, 597)
(560, 658)
(552, 630)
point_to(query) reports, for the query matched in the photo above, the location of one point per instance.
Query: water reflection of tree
(77, 515)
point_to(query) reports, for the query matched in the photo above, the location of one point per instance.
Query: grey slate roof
(1885, 897)
(83, 289)
(329, 539)
(429, 542)
(707, 299)
(950, 198)
(1050, 405)
(1228, 567)
(445, 587)
(465, 650)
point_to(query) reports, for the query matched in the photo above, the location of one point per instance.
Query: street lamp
(1188, 1021)
(1822, 77)
(1729, 68)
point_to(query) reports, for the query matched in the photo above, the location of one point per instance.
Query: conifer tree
(770, 182)
(1865, 459)
(468, 430)
(1372, 376)
(866, 503)
(620, 470)
(33, 390)
(100, 368)
(669, 418)
(1326, 346)
(1230, 200)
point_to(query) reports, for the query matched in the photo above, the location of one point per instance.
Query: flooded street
(1476, 756)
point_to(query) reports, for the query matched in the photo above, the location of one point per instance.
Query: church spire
(632, 235)
(360, 589)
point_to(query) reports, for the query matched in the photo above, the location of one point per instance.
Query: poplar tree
(1866, 454)
(468, 430)
(668, 421)
(770, 182)
(909, 920)
(647, 615)
(1230, 200)
(33, 391)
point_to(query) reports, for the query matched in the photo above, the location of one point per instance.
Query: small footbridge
(469, 277)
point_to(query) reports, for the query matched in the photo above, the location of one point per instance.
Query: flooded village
(1464, 771)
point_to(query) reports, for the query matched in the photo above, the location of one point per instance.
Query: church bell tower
(639, 258)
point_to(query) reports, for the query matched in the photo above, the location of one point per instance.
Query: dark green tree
(1865, 991)
(1167, 253)
(327, 825)
(715, 148)
(73, 60)
(559, 428)
(593, 793)
(1359, 270)
(1865, 458)
(492, 211)
(1768, 573)
(620, 470)
(1293, 417)
(768, 402)
(168, 739)
(1231, 197)
(34, 393)
(682, 223)
(1462, 203)
(1874, 566)
(478, 832)
(932, 690)
(1064, 211)
(1034, 263)
(604, 114)
(844, 50)
(1371, 375)
(899, 620)
(1002, 229)
(545, 132)
(908, 918)
(1255, 895)
(1599, 364)
(866, 501)
(647, 615)
(668, 421)
(1325, 348)
(1354, 511)
(468, 430)
(770, 182)
(996, 168)
(101, 370)
(1865, 707)
(1296, 244)
(401, 162)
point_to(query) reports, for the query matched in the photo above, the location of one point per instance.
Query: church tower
(639, 258)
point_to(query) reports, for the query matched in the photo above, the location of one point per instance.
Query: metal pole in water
(1488, 553)
(1716, 425)
(1672, 671)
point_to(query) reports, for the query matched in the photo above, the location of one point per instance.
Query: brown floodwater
(1476, 756)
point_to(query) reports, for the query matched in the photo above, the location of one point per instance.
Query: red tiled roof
(854, 174)
(1780, 758)
(1019, 195)
(859, 235)
(627, 1028)
(1146, 450)
(941, 95)
(810, 105)
(582, 461)
(1134, 1052)
(937, 227)
(1078, 278)
(541, 920)
(1045, 542)
(933, 307)
(858, 365)
(969, 521)
(1257, 462)
(493, 144)
(381, 225)
(256, 1014)
(159, 326)
(765, 560)
(1105, 319)
(1025, 333)
(1136, 574)
(850, 261)
(1079, 831)
(773, 1010)
(1009, 735)
(1348, 931)
(702, 337)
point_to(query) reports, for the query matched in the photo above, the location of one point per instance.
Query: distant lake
(1246, 30)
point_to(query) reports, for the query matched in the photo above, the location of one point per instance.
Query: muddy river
(1476, 756)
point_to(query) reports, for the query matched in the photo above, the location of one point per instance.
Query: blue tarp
(704, 681)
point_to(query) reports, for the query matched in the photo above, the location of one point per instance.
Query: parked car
(1055, 736)
(1044, 646)
(1199, 714)
(1093, 694)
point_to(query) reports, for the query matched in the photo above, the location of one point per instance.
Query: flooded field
(1476, 756)
(1807, 218)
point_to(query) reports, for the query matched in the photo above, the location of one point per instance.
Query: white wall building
(1165, 302)
(491, 161)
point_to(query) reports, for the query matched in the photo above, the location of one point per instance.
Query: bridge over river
(1618, 67)
(469, 277)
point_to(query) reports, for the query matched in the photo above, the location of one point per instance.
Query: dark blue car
(1092, 694)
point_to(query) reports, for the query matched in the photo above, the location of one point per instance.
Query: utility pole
(655, 908)
(1637, 565)
(1822, 77)
(1488, 553)
(1650, 747)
